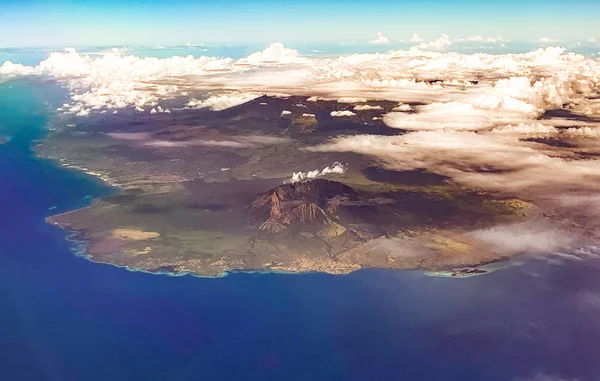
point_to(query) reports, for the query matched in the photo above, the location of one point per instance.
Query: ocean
(64, 317)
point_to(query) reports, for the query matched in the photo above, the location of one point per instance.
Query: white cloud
(530, 237)
(415, 38)
(499, 162)
(342, 113)
(439, 43)
(286, 112)
(222, 101)
(366, 107)
(546, 40)
(582, 132)
(508, 101)
(380, 40)
(146, 139)
(351, 100)
(115, 80)
(497, 39)
(402, 107)
(535, 129)
(337, 168)
(275, 53)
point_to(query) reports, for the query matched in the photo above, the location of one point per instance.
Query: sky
(61, 23)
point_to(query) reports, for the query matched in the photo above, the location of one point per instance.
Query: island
(243, 189)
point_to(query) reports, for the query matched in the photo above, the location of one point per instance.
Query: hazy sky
(60, 23)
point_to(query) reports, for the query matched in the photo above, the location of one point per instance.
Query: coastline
(79, 248)
(81, 245)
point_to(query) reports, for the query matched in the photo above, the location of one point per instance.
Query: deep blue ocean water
(63, 317)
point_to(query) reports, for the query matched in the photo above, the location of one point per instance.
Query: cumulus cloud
(366, 107)
(10, 70)
(581, 131)
(380, 40)
(275, 53)
(415, 38)
(336, 168)
(440, 43)
(222, 101)
(508, 101)
(342, 113)
(159, 109)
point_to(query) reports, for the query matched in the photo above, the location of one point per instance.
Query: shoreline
(80, 246)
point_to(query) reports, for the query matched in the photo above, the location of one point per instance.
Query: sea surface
(64, 317)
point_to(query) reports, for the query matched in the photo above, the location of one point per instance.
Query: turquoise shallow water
(63, 317)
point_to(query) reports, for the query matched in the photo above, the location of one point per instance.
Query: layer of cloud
(146, 139)
(538, 80)
(491, 161)
(525, 237)
(549, 170)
